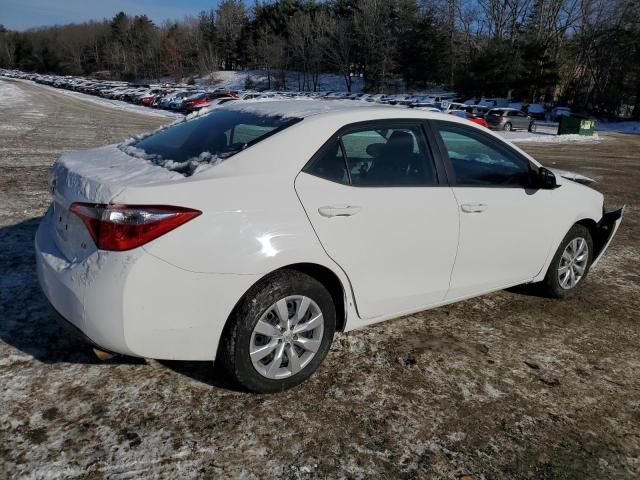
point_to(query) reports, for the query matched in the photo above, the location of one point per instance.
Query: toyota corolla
(250, 235)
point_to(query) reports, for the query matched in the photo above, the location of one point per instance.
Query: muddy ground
(507, 386)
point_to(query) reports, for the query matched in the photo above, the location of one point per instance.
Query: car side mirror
(546, 179)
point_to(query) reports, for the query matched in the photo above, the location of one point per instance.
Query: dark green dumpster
(576, 124)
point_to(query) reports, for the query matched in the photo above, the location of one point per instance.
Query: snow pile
(548, 137)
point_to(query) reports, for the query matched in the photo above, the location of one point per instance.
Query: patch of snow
(115, 104)
(549, 137)
(493, 392)
(10, 94)
(189, 167)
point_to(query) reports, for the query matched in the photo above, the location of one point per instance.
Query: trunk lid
(95, 176)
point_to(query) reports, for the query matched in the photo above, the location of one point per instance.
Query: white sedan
(252, 234)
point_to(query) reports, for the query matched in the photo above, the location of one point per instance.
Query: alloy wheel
(286, 337)
(573, 263)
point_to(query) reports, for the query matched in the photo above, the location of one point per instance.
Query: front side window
(478, 160)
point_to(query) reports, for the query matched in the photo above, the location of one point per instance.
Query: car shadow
(26, 322)
(203, 372)
(528, 290)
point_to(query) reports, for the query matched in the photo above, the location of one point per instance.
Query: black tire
(551, 284)
(508, 127)
(233, 353)
(532, 127)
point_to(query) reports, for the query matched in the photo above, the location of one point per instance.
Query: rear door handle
(474, 207)
(338, 211)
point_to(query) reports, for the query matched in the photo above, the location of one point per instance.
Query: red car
(205, 99)
(150, 97)
(471, 117)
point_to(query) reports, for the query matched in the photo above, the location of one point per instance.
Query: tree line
(582, 52)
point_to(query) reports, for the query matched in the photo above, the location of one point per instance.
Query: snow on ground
(116, 104)
(509, 385)
(547, 134)
(237, 80)
(12, 96)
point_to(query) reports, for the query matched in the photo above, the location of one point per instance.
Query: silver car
(509, 119)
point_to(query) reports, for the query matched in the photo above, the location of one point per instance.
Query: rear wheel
(508, 127)
(532, 127)
(570, 264)
(279, 333)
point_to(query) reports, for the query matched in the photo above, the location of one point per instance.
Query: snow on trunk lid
(98, 175)
(94, 176)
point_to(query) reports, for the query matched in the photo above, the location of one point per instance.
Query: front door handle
(474, 207)
(338, 211)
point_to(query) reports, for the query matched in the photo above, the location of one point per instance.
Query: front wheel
(570, 264)
(508, 127)
(279, 333)
(532, 127)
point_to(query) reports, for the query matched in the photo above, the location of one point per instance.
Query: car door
(377, 202)
(504, 234)
(522, 120)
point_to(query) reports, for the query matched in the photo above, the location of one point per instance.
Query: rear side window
(384, 155)
(330, 164)
(478, 160)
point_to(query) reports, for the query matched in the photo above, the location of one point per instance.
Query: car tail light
(124, 227)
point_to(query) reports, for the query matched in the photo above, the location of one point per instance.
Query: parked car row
(177, 97)
(537, 111)
(494, 113)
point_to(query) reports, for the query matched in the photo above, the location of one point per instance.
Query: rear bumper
(73, 330)
(136, 304)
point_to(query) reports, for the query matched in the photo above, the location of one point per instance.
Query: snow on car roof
(297, 108)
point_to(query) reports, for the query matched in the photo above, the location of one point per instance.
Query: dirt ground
(507, 386)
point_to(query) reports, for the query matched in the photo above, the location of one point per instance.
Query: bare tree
(230, 18)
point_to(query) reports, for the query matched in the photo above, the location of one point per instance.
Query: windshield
(206, 140)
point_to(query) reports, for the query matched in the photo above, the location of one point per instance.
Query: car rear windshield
(206, 140)
(496, 112)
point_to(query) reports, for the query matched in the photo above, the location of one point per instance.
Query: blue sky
(23, 14)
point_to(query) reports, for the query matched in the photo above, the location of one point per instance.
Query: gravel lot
(506, 386)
